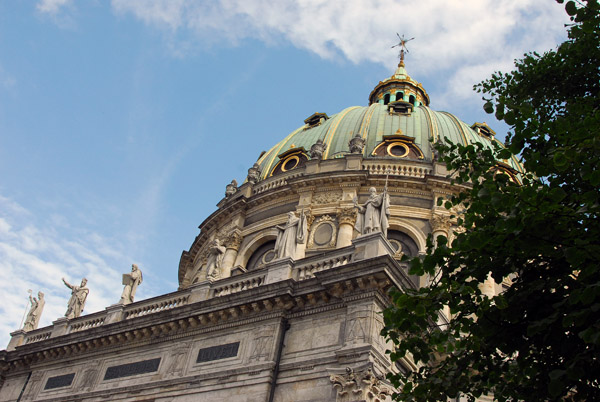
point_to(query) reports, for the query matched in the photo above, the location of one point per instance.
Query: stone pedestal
(60, 327)
(371, 245)
(16, 339)
(354, 161)
(279, 270)
(199, 291)
(114, 313)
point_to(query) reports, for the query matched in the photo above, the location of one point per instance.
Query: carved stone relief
(440, 222)
(260, 348)
(347, 216)
(33, 386)
(327, 197)
(87, 380)
(355, 331)
(176, 362)
(356, 385)
(323, 233)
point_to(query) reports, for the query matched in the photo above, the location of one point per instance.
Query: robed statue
(374, 215)
(215, 257)
(131, 281)
(290, 235)
(77, 300)
(35, 312)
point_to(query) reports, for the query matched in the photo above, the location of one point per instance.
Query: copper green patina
(379, 120)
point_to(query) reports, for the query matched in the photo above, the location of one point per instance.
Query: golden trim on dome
(333, 129)
(285, 162)
(397, 144)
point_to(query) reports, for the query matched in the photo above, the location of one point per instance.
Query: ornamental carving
(326, 197)
(440, 223)
(253, 174)
(231, 188)
(359, 385)
(323, 233)
(233, 241)
(316, 151)
(356, 144)
(347, 216)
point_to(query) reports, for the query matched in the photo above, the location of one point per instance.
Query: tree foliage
(539, 340)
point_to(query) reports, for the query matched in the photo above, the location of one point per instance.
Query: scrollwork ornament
(356, 144)
(327, 197)
(347, 216)
(440, 223)
(233, 241)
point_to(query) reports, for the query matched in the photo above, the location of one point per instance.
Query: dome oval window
(290, 163)
(398, 149)
(386, 99)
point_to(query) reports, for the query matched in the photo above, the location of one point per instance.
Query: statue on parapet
(215, 257)
(231, 188)
(77, 300)
(317, 149)
(131, 281)
(374, 215)
(35, 312)
(290, 235)
(253, 174)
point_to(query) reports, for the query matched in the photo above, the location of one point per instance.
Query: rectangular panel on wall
(59, 381)
(126, 370)
(218, 352)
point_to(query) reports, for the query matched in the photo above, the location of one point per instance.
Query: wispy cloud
(59, 11)
(36, 252)
(52, 7)
(466, 38)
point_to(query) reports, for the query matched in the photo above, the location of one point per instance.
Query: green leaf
(488, 107)
(571, 8)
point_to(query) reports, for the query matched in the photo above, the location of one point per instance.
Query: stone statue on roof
(35, 312)
(131, 281)
(373, 216)
(77, 301)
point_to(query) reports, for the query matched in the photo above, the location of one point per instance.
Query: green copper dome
(398, 118)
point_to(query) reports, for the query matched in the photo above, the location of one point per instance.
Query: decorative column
(346, 218)
(232, 245)
(440, 226)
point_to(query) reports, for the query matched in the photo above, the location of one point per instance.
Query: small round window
(398, 149)
(290, 163)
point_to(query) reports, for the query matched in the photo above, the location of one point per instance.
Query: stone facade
(299, 328)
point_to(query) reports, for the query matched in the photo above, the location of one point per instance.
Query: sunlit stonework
(280, 293)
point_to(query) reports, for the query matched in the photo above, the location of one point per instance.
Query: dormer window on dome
(289, 160)
(398, 146)
(484, 130)
(315, 120)
(401, 107)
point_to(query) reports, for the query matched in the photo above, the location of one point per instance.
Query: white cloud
(454, 38)
(36, 252)
(52, 7)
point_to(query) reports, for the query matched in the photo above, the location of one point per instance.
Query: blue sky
(121, 122)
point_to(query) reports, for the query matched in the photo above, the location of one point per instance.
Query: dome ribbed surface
(373, 123)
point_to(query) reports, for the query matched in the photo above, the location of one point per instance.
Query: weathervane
(403, 48)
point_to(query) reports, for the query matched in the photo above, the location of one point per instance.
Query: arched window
(263, 255)
(411, 99)
(403, 244)
(399, 96)
(386, 99)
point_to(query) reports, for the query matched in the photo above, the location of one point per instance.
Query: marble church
(280, 293)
